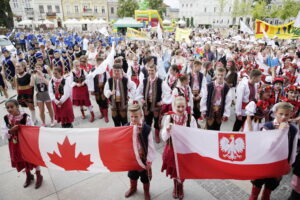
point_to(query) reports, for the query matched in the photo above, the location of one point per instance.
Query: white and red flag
(203, 154)
(81, 149)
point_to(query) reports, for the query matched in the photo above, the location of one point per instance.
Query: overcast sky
(172, 3)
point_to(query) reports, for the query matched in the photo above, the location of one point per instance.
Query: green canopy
(127, 22)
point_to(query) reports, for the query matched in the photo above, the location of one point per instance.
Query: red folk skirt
(169, 162)
(81, 96)
(64, 114)
(16, 157)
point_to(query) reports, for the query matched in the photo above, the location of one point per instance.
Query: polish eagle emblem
(232, 147)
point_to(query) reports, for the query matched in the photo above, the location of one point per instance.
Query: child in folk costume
(216, 101)
(245, 92)
(83, 64)
(183, 89)
(30, 58)
(9, 129)
(40, 81)
(80, 92)
(60, 95)
(182, 118)
(24, 89)
(231, 77)
(98, 90)
(66, 61)
(292, 93)
(258, 111)
(40, 61)
(150, 91)
(57, 61)
(282, 113)
(119, 90)
(146, 151)
(135, 73)
(8, 67)
(292, 73)
(197, 84)
(168, 85)
(277, 90)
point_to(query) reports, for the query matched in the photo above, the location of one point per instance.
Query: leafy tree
(187, 22)
(290, 8)
(192, 22)
(259, 10)
(245, 8)
(6, 15)
(158, 5)
(222, 4)
(126, 8)
(235, 10)
(144, 5)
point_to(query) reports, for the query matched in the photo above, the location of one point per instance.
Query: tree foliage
(222, 4)
(6, 15)
(290, 8)
(158, 5)
(259, 10)
(236, 7)
(126, 8)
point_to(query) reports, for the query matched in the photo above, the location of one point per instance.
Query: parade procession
(146, 108)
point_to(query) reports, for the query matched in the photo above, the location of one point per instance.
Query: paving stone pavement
(75, 185)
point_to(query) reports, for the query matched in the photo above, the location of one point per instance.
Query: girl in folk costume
(40, 61)
(8, 67)
(167, 87)
(98, 90)
(279, 70)
(40, 81)
(292, 73)
(57, 61)
(183, 89)
(24, 89)
(91, 55)
(9, 129)
(179, 60)
(182, 118)
(80, 92)
(60, 92)
(207, 71)
(282, 112)
(66, 61)
(258, 111)
(83, 64)
(134, 72)
(292, 93)
(231, 77)
(277, 91)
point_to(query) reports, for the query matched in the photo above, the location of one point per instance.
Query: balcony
(51, 15)
(87, 12)
(29, 12)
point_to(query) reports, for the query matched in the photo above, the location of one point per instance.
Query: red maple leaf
(67, 160)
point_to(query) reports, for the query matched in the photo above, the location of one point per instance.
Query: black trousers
(135, 175)
(239, 123)
(149, 116)
(101, 101)
(67, 125)
(196, 110)
(270, 183)
(119, 115)
(214, 121)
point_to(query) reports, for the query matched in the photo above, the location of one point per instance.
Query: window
(276, 22)
(41, 8)
(191, 5)
(229, 9)
(103, 10)
(15, 2)
(112, 10)
(76, 9)
(215, 9)
(49, 8)
(182, 5)
(204, 9)
(68, 9)
(57, 9)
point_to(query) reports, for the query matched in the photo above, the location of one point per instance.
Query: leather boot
(266, 194)
(294, 196)
(132, 189)
(92, 117)
(105, 115)
(254, 193)
(146, 187)
(29, 179)
(175, 189)
(82, 114)
(180, 191)
(101, 113)
(157, 138)
(39, 179)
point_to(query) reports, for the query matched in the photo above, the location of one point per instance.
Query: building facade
(211, 12)
(22, 9)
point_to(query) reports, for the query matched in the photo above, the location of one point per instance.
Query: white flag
(297, 22)
(245, 28)
(103, 31)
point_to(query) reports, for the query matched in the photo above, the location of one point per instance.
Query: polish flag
(81, 149)
(203, 154)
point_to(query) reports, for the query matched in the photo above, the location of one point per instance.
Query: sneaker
(52, 124)
(43, 125)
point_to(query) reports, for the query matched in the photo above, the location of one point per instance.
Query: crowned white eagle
(232, 147)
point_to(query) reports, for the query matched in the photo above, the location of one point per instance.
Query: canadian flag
(81, 149)
(203, 154)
